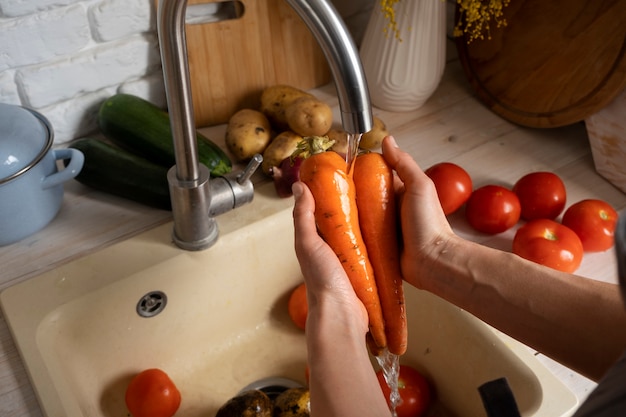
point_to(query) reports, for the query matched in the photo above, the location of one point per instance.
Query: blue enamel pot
(31, 182)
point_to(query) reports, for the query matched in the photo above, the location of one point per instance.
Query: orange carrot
(376, 205)
(325, 173)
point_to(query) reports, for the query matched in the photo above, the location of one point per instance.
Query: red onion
(286, 174)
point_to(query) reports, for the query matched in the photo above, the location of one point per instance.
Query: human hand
(423, 222)
(342, 381)
(328, 286)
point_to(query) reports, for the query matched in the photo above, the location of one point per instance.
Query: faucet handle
(233, 189)
(246, 174)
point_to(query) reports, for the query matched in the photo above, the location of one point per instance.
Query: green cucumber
(116, 171)
(141, 127)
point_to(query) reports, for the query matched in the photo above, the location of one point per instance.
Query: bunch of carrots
(355, 213)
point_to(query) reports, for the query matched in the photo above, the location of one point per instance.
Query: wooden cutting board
(555, 63)
(231, 61)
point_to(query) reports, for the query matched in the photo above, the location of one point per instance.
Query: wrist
(435, 261)
(337, 319)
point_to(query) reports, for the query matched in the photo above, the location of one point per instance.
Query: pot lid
(25, 138)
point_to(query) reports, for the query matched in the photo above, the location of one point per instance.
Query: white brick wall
(64, 57)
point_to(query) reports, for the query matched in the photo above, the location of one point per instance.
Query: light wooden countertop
(451, 126)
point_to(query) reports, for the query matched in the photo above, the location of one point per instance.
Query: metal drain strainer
(151, 304)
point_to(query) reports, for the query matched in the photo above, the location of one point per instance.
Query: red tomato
(549, 243)
(594, 223)
(453, 184)
(151, 393)
(297, 306)
(541, 195)
(492, 209)
(415, 392)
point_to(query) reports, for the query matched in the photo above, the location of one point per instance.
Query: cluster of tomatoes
(538, 198)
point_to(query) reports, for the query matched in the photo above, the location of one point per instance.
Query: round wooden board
(554, 63)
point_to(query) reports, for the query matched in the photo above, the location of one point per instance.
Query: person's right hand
(425, 228)
(512, 294)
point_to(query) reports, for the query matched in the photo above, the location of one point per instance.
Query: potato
(374, 138)
(274, 101)
(281, 147)
(341, 140)
(253, 403)
(294, 402)
(248, 133)
(308, 116)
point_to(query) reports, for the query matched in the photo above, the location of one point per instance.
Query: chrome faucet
(196, 199)
(343, 59)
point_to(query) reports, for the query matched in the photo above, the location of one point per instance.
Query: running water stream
(353, 149)
(390, 365)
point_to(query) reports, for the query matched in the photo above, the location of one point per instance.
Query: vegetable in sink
(293, 402)
(252, 403)
(151, 393)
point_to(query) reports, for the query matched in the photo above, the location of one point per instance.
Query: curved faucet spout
(343, 58)
(173, 45)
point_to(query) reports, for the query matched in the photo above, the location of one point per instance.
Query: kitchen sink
(217, 320)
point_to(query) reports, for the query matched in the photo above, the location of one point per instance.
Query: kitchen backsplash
(64, 57)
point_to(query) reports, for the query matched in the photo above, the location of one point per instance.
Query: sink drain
(272, 386)
(151, 304)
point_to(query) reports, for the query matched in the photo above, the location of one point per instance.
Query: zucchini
(115, 171)
(141, 127)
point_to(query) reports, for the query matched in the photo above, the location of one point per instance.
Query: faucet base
(197, 245)
(194, 230)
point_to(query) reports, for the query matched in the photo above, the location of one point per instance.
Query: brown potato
(281, 147)
(374, 138)
(253, 403)
(341, 140)
(308, 116)
(294, 402)
(274, 101)
(248, 133)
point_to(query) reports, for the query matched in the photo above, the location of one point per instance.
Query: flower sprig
(475, 17)
(389, 11)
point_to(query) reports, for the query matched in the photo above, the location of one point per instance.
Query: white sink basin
(226, 325)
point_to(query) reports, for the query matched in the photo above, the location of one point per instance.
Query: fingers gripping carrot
(373, 180)
(338, 224)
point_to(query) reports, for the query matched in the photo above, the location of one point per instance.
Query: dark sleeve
(609, 397)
